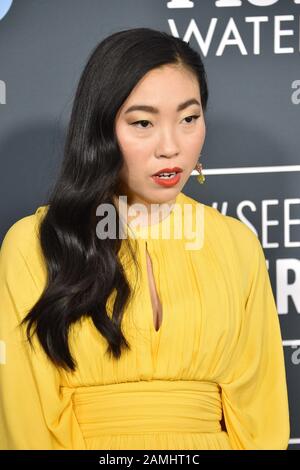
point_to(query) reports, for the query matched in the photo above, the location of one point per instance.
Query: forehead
(169, 86)
(168, 79)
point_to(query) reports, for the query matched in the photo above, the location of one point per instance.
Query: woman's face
(166, 138)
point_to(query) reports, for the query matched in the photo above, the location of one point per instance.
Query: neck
(149, 213)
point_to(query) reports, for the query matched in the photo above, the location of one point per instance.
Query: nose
(167, 145)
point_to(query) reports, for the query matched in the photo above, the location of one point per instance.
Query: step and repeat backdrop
(251, 156)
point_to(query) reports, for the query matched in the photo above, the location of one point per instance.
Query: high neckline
(156, 228)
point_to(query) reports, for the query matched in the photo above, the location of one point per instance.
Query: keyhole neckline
(155, 331)
(145, 230)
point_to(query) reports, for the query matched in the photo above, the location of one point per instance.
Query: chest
(155, 300)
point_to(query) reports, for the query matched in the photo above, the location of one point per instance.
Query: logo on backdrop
(225, 3)
(4, 7)
(236, 33)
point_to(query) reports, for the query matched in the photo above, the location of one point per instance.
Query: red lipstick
(163, 177)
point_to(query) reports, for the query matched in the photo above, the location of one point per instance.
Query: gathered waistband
(147, 406)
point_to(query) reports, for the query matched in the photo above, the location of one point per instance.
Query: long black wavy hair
(82, 269)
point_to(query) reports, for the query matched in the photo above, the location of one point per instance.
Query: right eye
(137, 122)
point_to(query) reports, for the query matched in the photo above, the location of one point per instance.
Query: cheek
(193, 143)
(134, 150)
(132, 147)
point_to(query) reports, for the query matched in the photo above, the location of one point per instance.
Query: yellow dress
(218, 350)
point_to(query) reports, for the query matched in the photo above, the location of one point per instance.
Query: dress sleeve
(255, 398)
(33, 412)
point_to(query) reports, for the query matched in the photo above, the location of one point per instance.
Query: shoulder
(226, 231)
(21, 240)
(235, 228)
(23, 273)
(234, 244)
(24, 231)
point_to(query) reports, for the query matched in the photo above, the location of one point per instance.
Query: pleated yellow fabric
(218, 352)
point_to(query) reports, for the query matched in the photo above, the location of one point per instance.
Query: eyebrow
(151, 109)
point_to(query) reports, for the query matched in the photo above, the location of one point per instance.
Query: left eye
(194, 116)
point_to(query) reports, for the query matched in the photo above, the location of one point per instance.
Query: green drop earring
(200, 177)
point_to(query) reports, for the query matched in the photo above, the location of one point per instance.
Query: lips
(176, 169)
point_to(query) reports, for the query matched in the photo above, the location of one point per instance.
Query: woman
(135, 341)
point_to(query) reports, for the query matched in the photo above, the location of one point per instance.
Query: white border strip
(248, 169)
(291, 342)
(294, 441)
